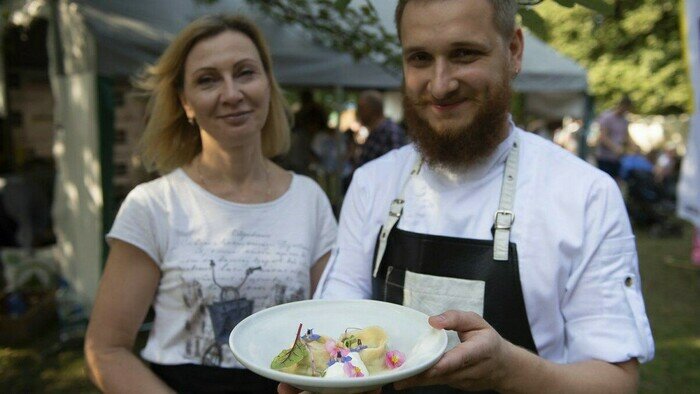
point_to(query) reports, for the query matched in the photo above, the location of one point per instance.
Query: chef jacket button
(628, 281)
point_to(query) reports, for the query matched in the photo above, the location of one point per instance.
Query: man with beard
(519, 248)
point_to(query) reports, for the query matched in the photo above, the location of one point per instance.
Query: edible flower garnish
(352, 371)
(359, 346)
(394, 359)
(339, 358)
(310, 336)
(332, 348)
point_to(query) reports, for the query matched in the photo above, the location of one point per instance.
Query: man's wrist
(522, 369)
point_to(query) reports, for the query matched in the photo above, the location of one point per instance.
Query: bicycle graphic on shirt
(225, 314)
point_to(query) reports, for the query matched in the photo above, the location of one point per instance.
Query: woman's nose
(231, 91)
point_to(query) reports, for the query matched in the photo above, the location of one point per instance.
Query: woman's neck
(241, 174)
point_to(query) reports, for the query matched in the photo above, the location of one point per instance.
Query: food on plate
(356, 353)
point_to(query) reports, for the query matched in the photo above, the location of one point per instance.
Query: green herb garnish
(291, 356)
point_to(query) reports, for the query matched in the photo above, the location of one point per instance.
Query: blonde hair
(169, 140)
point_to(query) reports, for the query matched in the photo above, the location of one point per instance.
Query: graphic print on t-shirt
(224, 311)
(214, 316)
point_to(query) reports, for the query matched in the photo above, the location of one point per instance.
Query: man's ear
(515, 49)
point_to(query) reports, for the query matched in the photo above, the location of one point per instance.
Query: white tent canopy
(688, 206)
(133, 33)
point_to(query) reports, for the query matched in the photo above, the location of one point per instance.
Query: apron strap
(394, 214)
(504, 216)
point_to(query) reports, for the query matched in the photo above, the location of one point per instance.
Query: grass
(672, 296)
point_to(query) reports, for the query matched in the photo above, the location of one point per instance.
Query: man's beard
(462, 147)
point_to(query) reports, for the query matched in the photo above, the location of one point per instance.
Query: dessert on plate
(356, 353)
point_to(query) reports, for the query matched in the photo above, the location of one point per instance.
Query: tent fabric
(77, 206)
(688, 205)
(132, 34)
(546, 70)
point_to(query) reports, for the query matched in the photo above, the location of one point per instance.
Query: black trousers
(191, 378)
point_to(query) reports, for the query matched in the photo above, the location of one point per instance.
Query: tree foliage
(637, 50)
(355, 29)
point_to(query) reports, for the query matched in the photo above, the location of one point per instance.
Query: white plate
(260, 337)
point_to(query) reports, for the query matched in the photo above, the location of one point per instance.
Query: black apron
(406, 263)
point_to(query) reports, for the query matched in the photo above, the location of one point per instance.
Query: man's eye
(464, 54)
(419, 57)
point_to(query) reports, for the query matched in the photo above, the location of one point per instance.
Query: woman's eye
(205, 80)
(246, 73)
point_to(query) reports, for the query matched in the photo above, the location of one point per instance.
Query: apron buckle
(396, 208)
(503, 219)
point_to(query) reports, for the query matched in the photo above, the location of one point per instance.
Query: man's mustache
(426, 101)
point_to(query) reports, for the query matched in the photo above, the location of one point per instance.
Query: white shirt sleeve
(327, 228)
(603, 307)
(135, 224)
(348, 275)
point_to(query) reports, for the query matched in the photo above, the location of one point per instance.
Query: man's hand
(478, 363)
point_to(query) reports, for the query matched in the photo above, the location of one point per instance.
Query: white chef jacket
(577, 254)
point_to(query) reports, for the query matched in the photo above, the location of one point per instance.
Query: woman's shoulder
(304, 184)
(158, 188)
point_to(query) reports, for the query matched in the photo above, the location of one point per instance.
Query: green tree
(636, 50)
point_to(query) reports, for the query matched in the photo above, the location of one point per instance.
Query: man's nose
(442, 83)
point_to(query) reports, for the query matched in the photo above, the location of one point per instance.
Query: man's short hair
(504, 16)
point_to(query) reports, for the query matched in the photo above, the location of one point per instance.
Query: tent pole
(105, 105)
(56, 30)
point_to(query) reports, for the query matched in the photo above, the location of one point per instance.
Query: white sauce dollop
(336, 370)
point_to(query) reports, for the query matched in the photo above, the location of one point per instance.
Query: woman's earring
(190, 120)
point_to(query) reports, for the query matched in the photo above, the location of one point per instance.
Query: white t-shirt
(576, 251)
(217, 255)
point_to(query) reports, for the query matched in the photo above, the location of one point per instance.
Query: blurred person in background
(384, 133)
(614, 137)
(299, 157)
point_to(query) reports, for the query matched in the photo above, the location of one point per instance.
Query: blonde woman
(223, 234)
